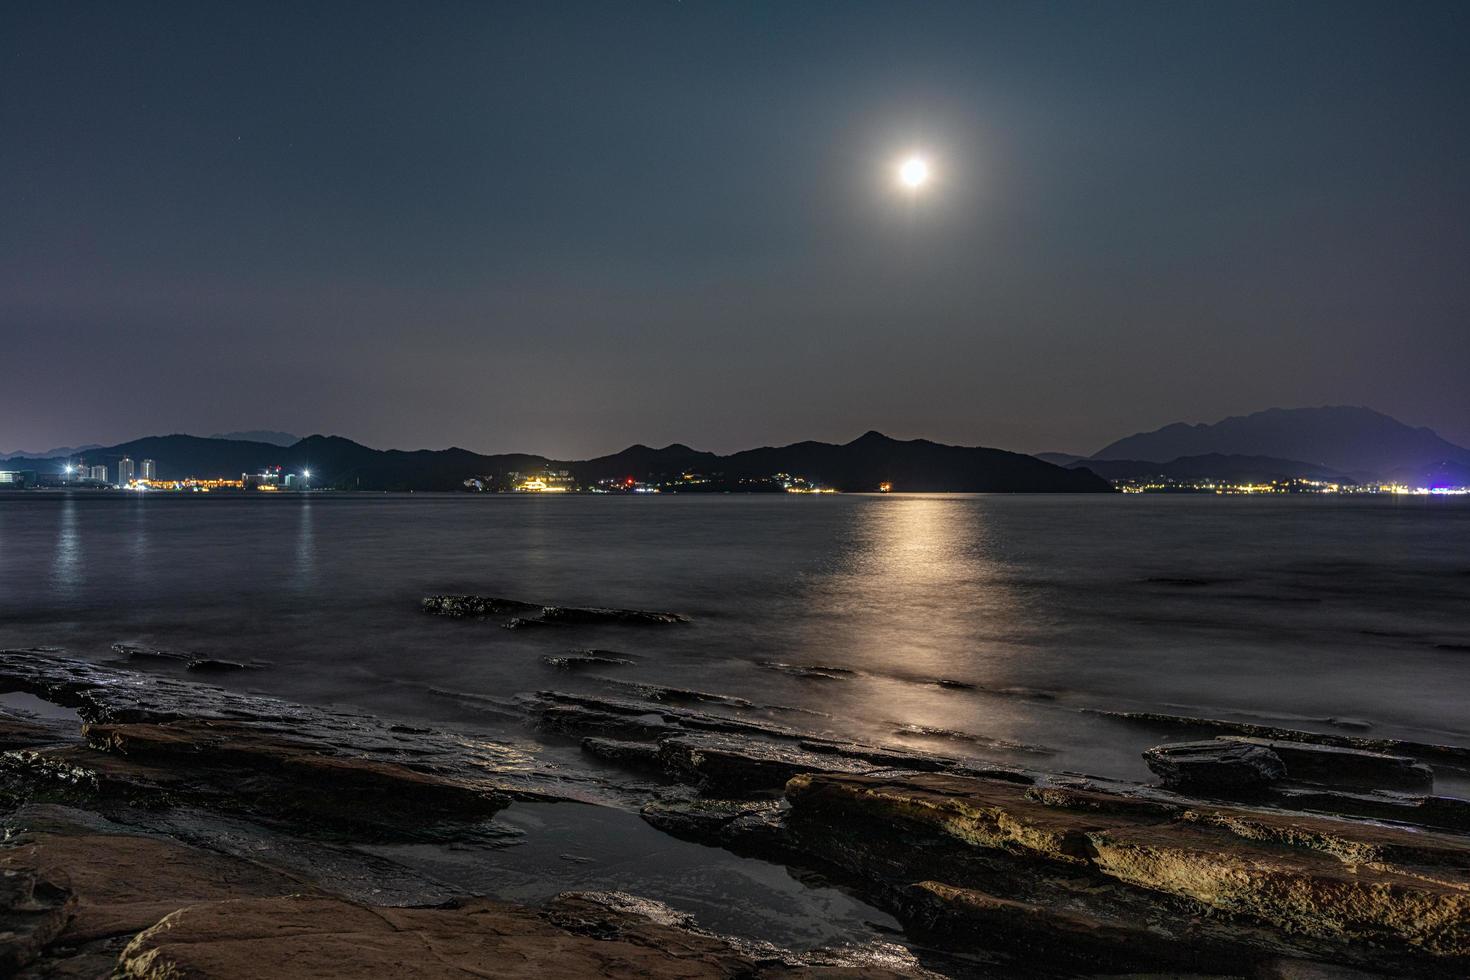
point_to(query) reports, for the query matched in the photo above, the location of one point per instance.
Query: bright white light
(306, 474)
(913, 173)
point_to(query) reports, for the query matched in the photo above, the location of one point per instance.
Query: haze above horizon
(567, 228)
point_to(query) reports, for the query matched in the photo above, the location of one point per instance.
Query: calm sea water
(1293, 611)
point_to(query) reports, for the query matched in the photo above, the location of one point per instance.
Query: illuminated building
(148, 470)
(559, 481)
(125, 470)
(99, 473)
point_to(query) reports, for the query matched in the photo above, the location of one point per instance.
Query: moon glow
(913, 173)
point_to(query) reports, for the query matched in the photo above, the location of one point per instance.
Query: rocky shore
(176, 829)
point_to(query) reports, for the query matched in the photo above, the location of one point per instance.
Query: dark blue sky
(565, 227)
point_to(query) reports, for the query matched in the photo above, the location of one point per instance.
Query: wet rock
(1036, 933)
(81, 885)
(877, 756)
(1251, 881)
(189, 661)
(135, 652)
(287, 775)
(35, 906)
(211, 665)
(525, 622)
(809, 672)
(573, 719)
(1455, 754)
(675, 695)
(23, 733)
(589, 659)
(84, 773)
(106, 695)
(906, 730)
(551, 708)
(583, 616)
(1336, 766)
(1445, 812)
(725, 766)
(1296, 891)
(459, 606)
(755, 825)
(629, 755)
(1215, 767)
(607, 935)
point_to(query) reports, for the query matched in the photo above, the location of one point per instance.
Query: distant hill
(1216, 466)
(864, 463)
(1346, 439)
(48, 453)
(260, 435)
(913, 465)
(1059, 459)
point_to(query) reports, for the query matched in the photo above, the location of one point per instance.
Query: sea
(1009, 628)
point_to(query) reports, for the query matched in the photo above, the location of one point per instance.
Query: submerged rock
(460, 606)
(582, 616)
(190, 661)
(810, 672)
(1215, 767)
(586, 659)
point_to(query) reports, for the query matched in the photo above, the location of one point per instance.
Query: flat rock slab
(1216, 767)
(309, 778)
(725, 766)
(91, 885)
(1350, 888)
(1332, 765)
(207, 721)
(318, 937)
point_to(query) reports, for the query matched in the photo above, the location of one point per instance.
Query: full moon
(913, 173)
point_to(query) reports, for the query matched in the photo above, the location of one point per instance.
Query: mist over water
(974, 625)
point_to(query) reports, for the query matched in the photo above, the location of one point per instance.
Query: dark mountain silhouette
(638, 461)
(916, 465)
(1059, 459)
(1216, 466)
(1351, 440)
(260, 435)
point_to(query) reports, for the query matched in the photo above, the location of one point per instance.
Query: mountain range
(1333, 443)
(1349, 439)
(1337, 443)
(864, 463)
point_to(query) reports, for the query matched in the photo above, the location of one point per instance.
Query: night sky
(563, 227)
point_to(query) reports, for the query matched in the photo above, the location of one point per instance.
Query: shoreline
(1253, 856)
